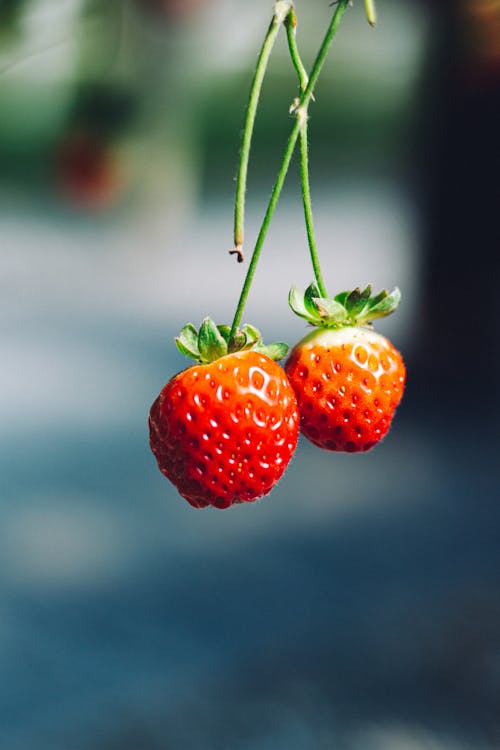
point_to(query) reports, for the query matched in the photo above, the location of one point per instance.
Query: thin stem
(291, 28)
(323, 51)
(280, 11)
(308, 215)
(278, 185)
(300, 116)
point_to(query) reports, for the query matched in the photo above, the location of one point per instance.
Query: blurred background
(357, 607)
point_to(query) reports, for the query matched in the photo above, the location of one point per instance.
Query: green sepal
(296, 302)
(378, 298)
(273, 351)
(253, 334)
(225, 332)
(311, 294)
(347, 308)
(341, 297)
(357, 300)
(382, 307)
(237, 342)
(332, 313)
(187, 341)
(211, 343)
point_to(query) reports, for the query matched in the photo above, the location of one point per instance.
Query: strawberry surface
(224, 432)
(348, 383)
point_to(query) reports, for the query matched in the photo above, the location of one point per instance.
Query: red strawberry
(224, 430)
(348, 379)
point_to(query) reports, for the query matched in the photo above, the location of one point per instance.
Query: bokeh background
(358, 606)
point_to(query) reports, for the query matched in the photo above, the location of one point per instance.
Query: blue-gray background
(357, 607)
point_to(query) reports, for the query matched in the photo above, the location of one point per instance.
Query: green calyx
(345, 309)
(212, 342)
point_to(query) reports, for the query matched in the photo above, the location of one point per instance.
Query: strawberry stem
(278, 185)
(281, 9)
(291, 30)
(300, 117)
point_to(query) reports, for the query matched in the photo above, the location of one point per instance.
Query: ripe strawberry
(348, 379)
(223, 431)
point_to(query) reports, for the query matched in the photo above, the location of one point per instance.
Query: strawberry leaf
(187, 341)
(310, 295)
(341, 297)
(253, 334)
(225, 332)
(273, 351)
(348, 308)
(332, 313)
(382, 307)
(296, 302)
(357, 300)
(211, 343)
(237, 342)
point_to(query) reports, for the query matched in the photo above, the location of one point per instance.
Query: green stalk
(291, 28)
(300, 117)
(281, 10)
(308, 215)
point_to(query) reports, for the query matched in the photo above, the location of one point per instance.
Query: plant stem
(306, 200)
(291, 28)
(280, 11)
(278, 185)
(300, 117)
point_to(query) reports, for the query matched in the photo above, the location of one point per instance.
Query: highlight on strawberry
(223, 431)
(348, 379)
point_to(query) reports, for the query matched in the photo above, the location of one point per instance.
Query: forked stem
(291, 30)
(300, 118)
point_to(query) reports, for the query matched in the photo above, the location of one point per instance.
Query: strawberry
(348, 379)
(224, 430)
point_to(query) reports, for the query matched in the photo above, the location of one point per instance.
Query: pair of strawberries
(224, 430)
